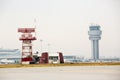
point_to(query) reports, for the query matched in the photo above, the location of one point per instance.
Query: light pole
(49, 47)
(41, 45)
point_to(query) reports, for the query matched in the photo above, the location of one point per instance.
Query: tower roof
(26, 30)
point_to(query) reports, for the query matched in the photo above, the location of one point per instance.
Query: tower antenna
(35, 25)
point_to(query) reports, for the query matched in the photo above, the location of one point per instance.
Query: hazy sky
(63, 24)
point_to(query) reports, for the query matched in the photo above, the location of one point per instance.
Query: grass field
(55, 65)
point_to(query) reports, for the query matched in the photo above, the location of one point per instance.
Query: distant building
(106, 60)
(73, 59)
(8, 56)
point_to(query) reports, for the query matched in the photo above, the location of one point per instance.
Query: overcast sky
(63, 24)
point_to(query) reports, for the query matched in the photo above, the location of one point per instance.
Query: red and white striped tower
(27, 39)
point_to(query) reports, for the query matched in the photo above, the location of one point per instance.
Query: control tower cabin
(95, 35)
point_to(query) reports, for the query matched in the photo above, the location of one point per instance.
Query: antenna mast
(35, 25)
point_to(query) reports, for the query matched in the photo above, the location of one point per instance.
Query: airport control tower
(26, 38)
(95, 35)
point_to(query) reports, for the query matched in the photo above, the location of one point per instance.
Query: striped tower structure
(26, 38)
